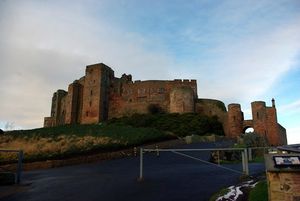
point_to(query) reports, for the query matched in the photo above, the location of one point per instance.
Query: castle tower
(56, 118)
(96, 88)
(259, 117)
(74, 103)
(182, 100)
(235, 120)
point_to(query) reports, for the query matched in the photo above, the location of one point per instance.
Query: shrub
(254, 140)
(154, 109)
(179, 124)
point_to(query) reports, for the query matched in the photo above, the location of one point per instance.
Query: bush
(254, 140)
(179, 124)
(154, 109)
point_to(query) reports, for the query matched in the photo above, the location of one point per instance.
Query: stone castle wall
(99, 96)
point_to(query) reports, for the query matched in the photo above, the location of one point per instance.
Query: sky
(238, 51)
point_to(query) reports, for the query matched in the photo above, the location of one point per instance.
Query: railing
(250, 149)
(244, 153)
(19, 165)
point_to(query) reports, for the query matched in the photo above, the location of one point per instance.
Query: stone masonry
(99, 96)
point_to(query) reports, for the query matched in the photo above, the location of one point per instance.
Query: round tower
(235, 120)
(182, 100)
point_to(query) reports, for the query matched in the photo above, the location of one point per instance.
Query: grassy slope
(66, 141)
(259, 192)
(179, 124)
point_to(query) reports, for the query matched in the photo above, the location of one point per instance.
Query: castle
(99, 96)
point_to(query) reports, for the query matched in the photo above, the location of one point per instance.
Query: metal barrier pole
(245, 162)
(157, 151)
(19, 168)
(250, 154)
(141, 164)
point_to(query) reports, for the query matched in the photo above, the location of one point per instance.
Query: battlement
(185, 81)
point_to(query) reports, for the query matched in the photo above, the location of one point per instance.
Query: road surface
(167, 177)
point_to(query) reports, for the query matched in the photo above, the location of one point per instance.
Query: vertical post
(19, 168)
(250, 153)
(135, 151)
(157, 151)
(243, 162)
(141, 164)
(218, 157)
(246, 162)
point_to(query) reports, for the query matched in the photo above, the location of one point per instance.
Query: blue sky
(239, 51)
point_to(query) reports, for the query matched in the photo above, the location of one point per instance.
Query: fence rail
(19, 165)
(244, 154)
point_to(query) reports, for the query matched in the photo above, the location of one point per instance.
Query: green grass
(116, 132)
(179, 124)
(67, 141)
(259, 192)
(258, 159)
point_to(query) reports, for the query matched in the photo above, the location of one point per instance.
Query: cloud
(236, 51)
(248, 67)
(293, 135)
(44, 48)
(292, 107)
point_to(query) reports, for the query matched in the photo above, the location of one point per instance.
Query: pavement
(167, 177)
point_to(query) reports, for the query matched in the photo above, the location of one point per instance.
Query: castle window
(87, 113)
(90, 103)
(257, 115)
(91, 93)
(234, 118)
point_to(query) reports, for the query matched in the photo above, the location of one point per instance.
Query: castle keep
(99, 96)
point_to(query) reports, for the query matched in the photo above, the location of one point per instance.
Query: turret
(273, 102)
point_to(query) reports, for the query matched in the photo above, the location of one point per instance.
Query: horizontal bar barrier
(212, 149)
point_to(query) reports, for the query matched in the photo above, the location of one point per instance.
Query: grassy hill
(69, 140)
(179, 124)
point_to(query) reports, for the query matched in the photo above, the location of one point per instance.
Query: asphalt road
(167, 177)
